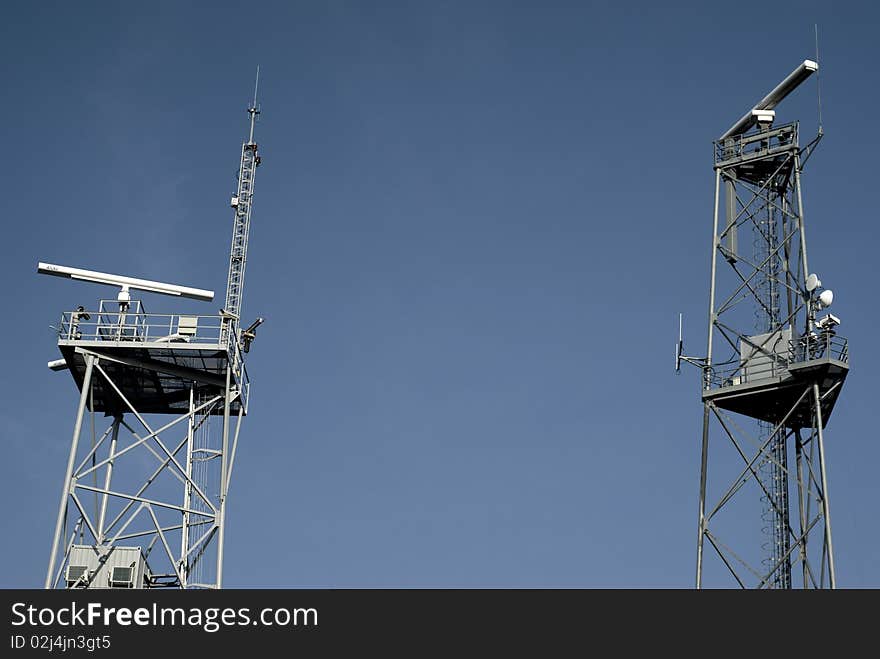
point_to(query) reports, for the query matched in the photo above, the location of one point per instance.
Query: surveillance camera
(828, 322)
(764, 116)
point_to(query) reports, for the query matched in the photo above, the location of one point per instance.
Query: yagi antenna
(125, 283)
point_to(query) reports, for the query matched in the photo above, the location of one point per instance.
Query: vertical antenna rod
(818, 86)
(252, 110)
(241, 204)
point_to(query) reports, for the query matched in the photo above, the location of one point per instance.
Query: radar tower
(161, 403)
(773, 371)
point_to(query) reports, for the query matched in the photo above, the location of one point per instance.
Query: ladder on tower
(241, 203)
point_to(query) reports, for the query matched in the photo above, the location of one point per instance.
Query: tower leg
(108, 477)
(826, 506)
(702, 521)
(187, 491)
(65, 491)
(802, 494)
(221, 516)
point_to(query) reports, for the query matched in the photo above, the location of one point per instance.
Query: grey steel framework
(771, 375)
(162, 398)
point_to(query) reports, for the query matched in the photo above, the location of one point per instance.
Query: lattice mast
(242, 204)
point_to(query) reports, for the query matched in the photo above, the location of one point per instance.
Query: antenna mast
(242, 204)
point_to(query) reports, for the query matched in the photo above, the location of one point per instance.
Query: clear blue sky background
(474, 227)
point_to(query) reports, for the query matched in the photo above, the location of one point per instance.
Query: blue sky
(474, 228)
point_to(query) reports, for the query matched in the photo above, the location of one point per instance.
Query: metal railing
(112, 324)
(738, 147)
(819, 346)
(135, 325)
(762, 366)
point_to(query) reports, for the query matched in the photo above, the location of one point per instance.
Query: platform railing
(135, 325)
(747, 145)
(823, 345)
(111, 324)
(819, 346)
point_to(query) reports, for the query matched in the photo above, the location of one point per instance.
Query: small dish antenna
(825, 297)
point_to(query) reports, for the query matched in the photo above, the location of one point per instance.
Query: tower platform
(757, 157)
(152, 359)
(776, 393)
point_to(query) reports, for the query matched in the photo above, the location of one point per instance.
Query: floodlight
(125, 283)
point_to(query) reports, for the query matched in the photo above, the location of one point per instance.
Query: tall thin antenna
(252, 110)
(256, 85)
(818, 86)
(679, 347)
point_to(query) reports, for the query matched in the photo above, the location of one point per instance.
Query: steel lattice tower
(772, 371)
(162, 398)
